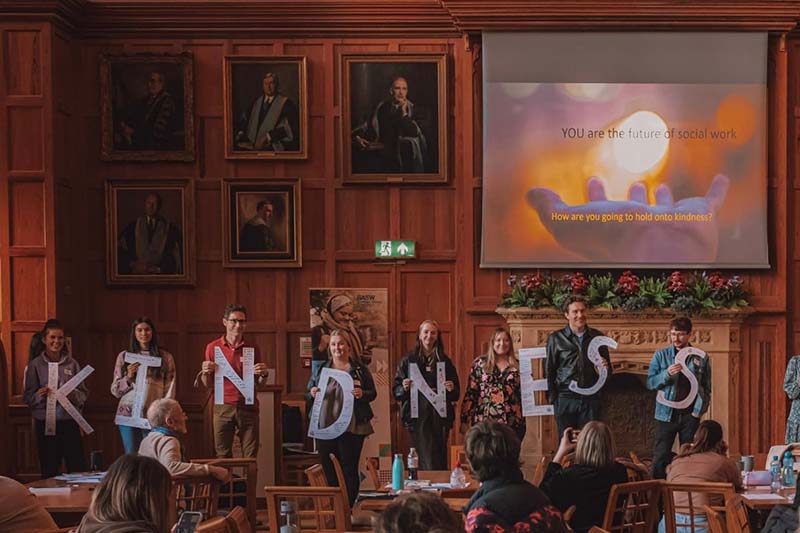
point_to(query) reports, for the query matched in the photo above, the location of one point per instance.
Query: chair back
(237, 521)
(316, 508)
(633, 507)
(196, 494)
(538, 472)
(736, 515)
(716, 518)
(636, 471)
(373, 466)
(458, 453)
(241, 489)
(316, 476)
(218, 524)
(340, 479)
(691, 497)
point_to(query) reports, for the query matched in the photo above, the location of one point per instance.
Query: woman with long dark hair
(159, 383)
(67, 443)
(429, 430)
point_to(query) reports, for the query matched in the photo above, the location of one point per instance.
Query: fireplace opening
(628, 409)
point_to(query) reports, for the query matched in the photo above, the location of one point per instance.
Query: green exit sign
(394, 249)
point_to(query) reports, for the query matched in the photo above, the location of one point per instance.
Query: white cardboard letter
(681, 358)
(225, 370)
(59, 395)
(340, 425)
(528, 385)
(137, 418)
(595, 357)
(418, 385)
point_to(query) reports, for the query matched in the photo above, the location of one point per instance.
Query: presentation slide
(624, 150)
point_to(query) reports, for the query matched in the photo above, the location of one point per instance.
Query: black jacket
(404, 396)
(584, 486)
(567, 359)
(361, 408)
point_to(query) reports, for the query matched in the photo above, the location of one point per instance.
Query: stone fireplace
(627, 404)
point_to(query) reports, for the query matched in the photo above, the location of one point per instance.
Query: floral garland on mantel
(682, 292)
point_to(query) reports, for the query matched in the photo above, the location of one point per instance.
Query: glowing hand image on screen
(611, 231)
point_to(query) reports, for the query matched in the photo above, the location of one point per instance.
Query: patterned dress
(494, 396)
(792, 388)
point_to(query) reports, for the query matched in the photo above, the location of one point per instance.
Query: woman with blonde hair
(135, 496)
(588, 480)
(493, 387)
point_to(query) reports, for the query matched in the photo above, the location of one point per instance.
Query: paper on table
(418, 385)
(137, 418)
(59, 395)
(595, 357)
(763, 496)
(681, 358)
(49, 491)
(528, 385)
(340, 425)
(224, 370)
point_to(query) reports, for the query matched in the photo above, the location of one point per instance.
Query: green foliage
(601, 291)
(654, 291)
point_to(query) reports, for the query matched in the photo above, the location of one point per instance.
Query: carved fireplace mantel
(638, 335)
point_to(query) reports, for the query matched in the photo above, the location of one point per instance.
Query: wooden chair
(197, 494)
(736, 517)
(316, 476)
(316, 508)
(242, 487)
(237, 521)
(693, 509)
(372, 467)
(636, 471)
(538, 472)
(633, 507)
(716, 518)
(218, 524)
(567, 516)
(596, 529)
(457, 453)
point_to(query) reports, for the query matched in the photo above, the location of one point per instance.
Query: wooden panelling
(426, 292)
(23, 63)
(29, 294)
(26, 148)
(27, 213)
(361, 216)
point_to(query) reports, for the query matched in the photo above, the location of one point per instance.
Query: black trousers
(683, 424)
(66, 444)
(575, 412)
(347, 449)
(430, 442)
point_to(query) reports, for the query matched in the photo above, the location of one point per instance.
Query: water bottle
(413, 464)
(457, 478)
(775, 472)
(397, 472)
(288, 518)
(787, 475)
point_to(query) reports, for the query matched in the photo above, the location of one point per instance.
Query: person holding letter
(568, 361)
(493, 390)
(428, 428)
(136, 392)
(665, 376)
(66, 443)
(226, 360)
(347, 446)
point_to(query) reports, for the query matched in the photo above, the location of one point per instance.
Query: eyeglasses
(237, 320)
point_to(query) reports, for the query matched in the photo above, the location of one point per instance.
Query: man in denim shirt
(665, 374)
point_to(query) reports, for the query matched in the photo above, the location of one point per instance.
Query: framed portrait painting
(394, 117)
(150, 232)
(261, 223)
(266, 110)
(147, 107)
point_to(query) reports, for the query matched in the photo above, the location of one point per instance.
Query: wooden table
(456, 498)
(66, 509)
(761, 499)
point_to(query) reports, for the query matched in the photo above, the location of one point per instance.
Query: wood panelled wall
(52, 258)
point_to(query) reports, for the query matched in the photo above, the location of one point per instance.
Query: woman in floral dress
(493, 388)
(791, 384)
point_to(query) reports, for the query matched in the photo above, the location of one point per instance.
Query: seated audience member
(704, 460)
(587, 482)
(782, 519)
(419, 512)
(168, 421)
(135, 496)
(505, 501)
(20, 511)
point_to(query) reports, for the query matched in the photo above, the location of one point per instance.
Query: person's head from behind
(707, 438)
(595, 446)
(419, 512)
(135, 489)
(167, 413)
(492, 450)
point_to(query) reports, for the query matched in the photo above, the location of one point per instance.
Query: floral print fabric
(493, 396)
(485, 521)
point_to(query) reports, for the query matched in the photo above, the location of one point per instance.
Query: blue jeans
(132, 437)
(682, 524)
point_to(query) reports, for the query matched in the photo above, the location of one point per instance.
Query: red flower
(716, 280)
(628, 283)
(578, 282)
(676, 282)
